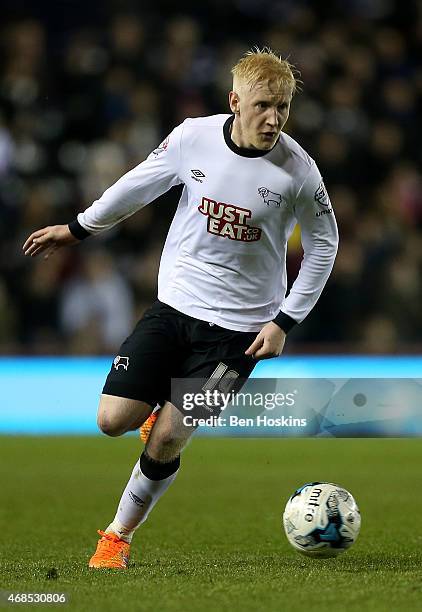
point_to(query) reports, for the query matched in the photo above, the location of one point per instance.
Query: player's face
(260, 114)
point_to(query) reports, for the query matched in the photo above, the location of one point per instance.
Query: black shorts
(166, 345)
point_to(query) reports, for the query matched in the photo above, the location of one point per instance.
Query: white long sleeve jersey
(224, 259)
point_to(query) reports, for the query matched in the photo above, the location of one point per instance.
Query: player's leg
(151, 477)
(169, 435)
(153, 473)
(117, 415)
(137, 381)
(218, 350)
(160, 461)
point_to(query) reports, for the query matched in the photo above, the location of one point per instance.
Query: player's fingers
(42, 241)
(261, 353)
(264, 354)
(34, 236)
(266, 351)
(29, 241)
(45, 238)
(34, 247)
(38, 249)
(38, 244)
(256, 344)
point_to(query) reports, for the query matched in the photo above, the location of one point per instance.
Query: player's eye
(282, 107)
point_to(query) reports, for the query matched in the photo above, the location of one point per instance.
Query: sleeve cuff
(77, 230)
(285, 322)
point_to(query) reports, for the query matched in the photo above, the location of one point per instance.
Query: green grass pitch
(214, 541)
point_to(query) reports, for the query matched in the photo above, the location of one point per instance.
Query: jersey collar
(243, 151)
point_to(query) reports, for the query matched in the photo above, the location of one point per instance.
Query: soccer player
(222, 301)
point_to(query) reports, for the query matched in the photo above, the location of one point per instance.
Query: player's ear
(234, 102)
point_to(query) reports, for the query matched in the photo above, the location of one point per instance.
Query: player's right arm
(48, 240)
(137, 188)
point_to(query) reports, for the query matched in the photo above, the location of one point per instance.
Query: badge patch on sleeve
(162, 147)
(321, 195)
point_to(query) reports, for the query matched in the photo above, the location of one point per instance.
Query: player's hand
(48, 240)
(268, 343)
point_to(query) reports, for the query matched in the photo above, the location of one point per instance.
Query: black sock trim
(155, 470)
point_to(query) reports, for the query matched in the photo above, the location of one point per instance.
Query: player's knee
(109, 425)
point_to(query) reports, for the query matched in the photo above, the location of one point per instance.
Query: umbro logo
(197, 175)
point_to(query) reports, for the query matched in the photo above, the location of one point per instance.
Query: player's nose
(272, 118)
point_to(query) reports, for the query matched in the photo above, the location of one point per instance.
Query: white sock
(139, 497)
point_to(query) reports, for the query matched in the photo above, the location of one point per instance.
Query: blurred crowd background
(88, 89)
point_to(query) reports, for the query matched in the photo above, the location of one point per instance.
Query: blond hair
(264, 65)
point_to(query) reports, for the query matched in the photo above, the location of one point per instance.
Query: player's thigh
(217, 361)
(117, 415)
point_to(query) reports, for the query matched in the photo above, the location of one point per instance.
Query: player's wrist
(284, 322)
(77, 230)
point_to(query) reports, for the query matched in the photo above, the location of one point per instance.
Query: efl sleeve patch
(321, 195)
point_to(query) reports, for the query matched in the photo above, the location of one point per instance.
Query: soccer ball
(321, 519)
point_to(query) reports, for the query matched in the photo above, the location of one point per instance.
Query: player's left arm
(319, 235)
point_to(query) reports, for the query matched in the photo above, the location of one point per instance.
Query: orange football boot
(146, 428)
(111, 552)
